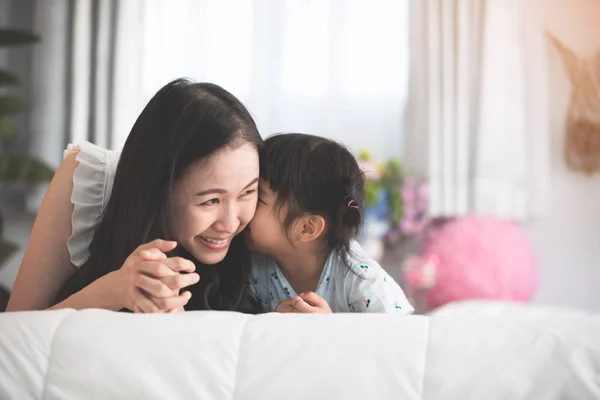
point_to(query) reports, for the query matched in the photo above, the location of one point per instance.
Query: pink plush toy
(478, 257)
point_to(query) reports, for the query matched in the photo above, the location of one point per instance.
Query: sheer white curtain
(337, 68)
(478, 108)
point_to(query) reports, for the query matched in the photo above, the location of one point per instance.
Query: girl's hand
(287, 305)
(153, 281)
(307, 303)
(312, 303)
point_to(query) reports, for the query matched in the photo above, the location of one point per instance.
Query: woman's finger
(142, 302)
(179, 264)
(162, 245)
(166, 304)
(154, 287)
(154, 269)
(152, 254)
(180, 281)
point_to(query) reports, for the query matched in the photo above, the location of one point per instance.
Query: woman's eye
(248, 192)
(210, 202)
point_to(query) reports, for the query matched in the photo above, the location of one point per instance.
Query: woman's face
(214, 201)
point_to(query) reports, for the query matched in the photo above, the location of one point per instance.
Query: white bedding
(208, 355)
(492, 307)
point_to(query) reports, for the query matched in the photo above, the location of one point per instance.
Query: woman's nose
(228, 219)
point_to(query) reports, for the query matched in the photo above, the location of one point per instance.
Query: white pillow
(493, 307)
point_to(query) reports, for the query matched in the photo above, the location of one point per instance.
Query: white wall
(567, 238)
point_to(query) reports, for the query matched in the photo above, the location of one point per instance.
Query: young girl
(309, 212)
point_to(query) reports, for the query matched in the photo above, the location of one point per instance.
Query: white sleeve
(370, 289)
(92, 185)
(374, 291)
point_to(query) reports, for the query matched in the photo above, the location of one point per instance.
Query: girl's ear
(309, 227)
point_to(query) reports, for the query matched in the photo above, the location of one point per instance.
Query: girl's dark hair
(312, 174)
(182, 124)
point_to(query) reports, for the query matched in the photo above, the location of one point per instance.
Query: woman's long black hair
(182, 124)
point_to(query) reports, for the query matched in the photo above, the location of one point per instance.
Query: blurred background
(477, 121)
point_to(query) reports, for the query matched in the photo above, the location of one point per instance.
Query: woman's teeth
(215, 241)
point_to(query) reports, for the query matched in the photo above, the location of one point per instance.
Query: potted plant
(383, 201)
(15, 168)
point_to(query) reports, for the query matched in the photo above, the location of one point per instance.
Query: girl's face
(214, 201)
(266, 233)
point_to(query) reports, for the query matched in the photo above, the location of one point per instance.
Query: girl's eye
(210, 202)
(261, 201)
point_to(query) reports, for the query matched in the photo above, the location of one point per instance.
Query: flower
(415, 218)
(364, 155)
(370, 170)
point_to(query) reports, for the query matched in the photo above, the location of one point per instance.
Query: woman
(185, 186)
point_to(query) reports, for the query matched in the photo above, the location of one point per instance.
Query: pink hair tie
(352, 204)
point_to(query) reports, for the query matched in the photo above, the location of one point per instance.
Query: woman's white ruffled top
(92, 184)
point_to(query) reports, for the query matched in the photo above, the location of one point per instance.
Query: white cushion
(215, 355)
(495, 307)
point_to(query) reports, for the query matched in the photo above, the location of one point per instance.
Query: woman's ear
(309, 227)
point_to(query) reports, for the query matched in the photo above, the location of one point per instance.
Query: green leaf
(371, 191)
(11, 105)
(392, 175)
(8, 78)
(396, 204)
(8, 127)
(16, 37)
(22, 168)
(6, 250)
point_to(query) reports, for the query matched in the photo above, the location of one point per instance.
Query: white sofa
(96, 354)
